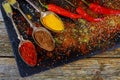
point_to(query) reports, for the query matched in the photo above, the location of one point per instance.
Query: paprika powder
(28, 53)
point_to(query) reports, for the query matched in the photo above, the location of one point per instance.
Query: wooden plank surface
(5, 45)
(86, 69)
(105, 66)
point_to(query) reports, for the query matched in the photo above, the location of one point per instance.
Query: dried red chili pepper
(28, 53)
(100, 9)
(83, 14)
(60, 10)
(87, 16)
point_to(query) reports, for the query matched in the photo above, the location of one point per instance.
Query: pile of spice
(80, 37)
(45, 40)
(52, 22)
(28, 53)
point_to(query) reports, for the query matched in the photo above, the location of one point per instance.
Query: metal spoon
(9, 13)
(44, 14)
(40, 35)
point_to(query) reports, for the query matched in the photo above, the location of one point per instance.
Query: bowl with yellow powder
(52, 21)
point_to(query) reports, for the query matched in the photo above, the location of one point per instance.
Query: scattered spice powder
(81, 38)
(28, 53)
(29, 31)
(52, 22)
(45, 40)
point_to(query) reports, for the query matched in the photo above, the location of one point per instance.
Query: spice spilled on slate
(37, 33)
(26, 47)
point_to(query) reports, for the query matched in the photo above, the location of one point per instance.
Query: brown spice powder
(45, 40)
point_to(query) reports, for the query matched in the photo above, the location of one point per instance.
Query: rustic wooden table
(105, 66)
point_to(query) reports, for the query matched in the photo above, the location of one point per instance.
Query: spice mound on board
(28, 53)
(45, 40)
(52, 22)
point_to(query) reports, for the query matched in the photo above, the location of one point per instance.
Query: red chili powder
(28, 53)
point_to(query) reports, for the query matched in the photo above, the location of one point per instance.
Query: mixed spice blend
(80, 37)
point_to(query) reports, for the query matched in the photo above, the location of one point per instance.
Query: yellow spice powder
(52, 22)
(12, 1)
(7, 8)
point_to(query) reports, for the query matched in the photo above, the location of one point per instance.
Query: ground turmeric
(52, 22)
(12, 1)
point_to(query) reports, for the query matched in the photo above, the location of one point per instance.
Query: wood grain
(5, 45)
(86, 69)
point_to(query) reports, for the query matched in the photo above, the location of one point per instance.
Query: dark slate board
(24, 69)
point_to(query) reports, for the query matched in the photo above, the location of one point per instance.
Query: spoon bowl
(47, 42)
(29, 58)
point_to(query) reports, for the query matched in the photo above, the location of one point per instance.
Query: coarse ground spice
(44, 39)
(80, 38)
(28, 53)
(52, 22)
